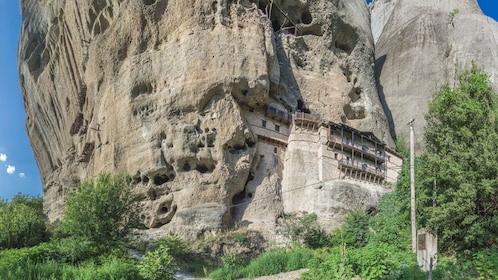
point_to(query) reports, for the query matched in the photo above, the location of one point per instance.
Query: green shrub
(269, 263)
(356, 229)
(73, 250)
(112, 268)
(332, 263)
(176, 247)
(103, 212)
(487, 263)
(22, 222)
(305, 231)
(159, 264)
(315, 238)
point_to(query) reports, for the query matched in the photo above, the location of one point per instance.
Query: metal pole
(430, 269)
(412, 187)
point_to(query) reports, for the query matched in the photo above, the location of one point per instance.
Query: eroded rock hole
(145, 179)
(202, 168)
(347, 37)
(142, 88)
(355, 94)
(186, 167)
(149, 2)
(160, 179)
(306, 17)
(152, 194)
(164, 209)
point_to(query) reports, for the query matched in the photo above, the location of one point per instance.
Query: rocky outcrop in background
(421, 45)
(160, 89)
(176, 93)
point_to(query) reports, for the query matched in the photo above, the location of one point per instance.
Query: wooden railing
(301, 116)
(348, 143)
(362, 167)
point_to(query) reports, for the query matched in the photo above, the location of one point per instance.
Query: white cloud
(3, 157)
(11, 169)
(22, 175)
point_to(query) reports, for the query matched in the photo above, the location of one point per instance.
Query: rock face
(173, 92)
(421, 45)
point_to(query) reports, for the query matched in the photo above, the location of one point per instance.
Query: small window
(275, 150)
(336, 155)
(277, 128)
(263, 123)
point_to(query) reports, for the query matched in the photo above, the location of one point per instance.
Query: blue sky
(18, 169)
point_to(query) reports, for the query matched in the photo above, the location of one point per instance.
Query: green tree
(22, 222)
(102, 211)
(461, 156)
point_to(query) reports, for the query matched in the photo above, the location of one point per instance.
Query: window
(275, 150)
(336, 155)
(277, 128)
(263, 123)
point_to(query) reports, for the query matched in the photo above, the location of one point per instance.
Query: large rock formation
(174, 91)
(421, 45)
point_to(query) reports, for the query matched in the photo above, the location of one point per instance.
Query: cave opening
(160, 179)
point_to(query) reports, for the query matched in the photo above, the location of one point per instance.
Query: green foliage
(373, 261)
(453, 13)
(391, 225)
(176, 247)
(269, 263)
(462, 140)
(331, 263)
(486, 263)
(73, 250)
(113, 268)
(356, 229)
(103, 211)
(304, 230)
(159, 264)
(22, 222)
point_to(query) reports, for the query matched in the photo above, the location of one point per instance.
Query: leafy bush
(159, 264)
(113, 268)
(487, 263)
(176, 247)
(331, 263)
(356, 229)
(269, 263)
(73, 250)
(103, 211)
(22, 222)
(305, 230)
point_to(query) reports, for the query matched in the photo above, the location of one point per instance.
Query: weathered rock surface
(420, 46)
(162, 90)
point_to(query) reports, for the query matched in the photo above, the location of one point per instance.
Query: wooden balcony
(305, 118)
(279, 115)
(357, 148)
(363, 168)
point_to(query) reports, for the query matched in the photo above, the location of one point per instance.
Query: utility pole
(412, 187)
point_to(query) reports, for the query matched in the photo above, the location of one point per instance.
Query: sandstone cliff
(421, 45)
(173, 92)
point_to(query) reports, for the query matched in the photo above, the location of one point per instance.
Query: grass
(269, 263)
(113, 268)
